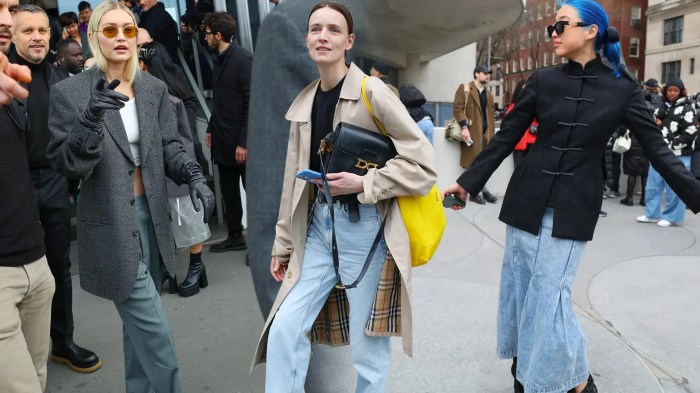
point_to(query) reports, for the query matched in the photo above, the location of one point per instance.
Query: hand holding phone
(452, 200)
(308, 174)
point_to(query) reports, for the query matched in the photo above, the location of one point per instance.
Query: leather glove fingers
(199, 191)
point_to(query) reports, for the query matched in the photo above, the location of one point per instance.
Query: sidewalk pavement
(636, 293)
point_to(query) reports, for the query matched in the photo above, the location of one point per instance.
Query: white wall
(447, 160)
(439, 79)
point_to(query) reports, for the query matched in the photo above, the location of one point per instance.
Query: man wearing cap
(651, 91)
(473, 109)
(381, 71)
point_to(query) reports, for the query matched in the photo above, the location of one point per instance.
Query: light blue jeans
(536, 320)
(288, 345)
(426, 125)
(656, 185)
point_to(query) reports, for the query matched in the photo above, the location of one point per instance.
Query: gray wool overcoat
(108, 231)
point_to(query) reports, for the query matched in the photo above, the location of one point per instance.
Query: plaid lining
(332, 324)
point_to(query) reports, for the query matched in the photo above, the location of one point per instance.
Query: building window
(636, 17)
(498, 90)
(548, 8)
(521, 65)
(564, 60)
(507, 68)
(635, 73)
(545, 59)
(692, 65)
(670, 70)
(529, 38)
(554, 58)
(529, 63)
(634, 47)
(522, 41)
(673, 30)
(515, 67)
(539, 11)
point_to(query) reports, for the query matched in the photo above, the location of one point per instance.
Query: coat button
(132, 202)
(135, 233)
(289, 274)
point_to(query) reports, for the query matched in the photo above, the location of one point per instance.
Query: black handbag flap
(370, 146)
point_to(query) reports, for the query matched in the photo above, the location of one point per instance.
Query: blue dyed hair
(591, 12)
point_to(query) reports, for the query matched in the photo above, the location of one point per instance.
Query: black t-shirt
(483, 102)
(38, 111)
(322, 120)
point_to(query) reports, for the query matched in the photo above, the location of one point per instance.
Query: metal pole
(488, 55)
(246, 38)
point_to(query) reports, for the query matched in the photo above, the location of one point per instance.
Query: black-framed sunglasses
(559, 26)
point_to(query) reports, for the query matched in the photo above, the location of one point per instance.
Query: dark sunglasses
(559, 26)
(112, 31)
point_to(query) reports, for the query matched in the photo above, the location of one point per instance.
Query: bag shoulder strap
(377, 122)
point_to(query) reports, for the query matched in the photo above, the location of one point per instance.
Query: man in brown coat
(473, 109)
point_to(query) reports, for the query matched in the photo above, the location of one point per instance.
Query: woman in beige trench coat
(308, 308)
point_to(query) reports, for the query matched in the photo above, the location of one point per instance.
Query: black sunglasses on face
(559, 26)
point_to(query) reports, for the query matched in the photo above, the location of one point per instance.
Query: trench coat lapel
(474, 92)
(114, 125)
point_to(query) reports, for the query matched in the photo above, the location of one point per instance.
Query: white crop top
(131, 125)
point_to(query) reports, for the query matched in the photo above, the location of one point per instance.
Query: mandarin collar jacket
(578, 108)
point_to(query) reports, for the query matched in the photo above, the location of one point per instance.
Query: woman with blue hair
(552, 202)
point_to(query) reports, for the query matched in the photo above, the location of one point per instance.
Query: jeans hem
(506, 354)
(564, 387)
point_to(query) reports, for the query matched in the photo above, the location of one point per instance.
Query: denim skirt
(536, 320)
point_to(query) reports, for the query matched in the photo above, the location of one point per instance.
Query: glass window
(548, 8)
(670, 70)
(515, 66)
(692, 66)
(529, 63)
(554, 58)
(634, 47)
(636, 17)
(673, 30)
(507, 67)
(444, 114)
(545, 59)
(521, 64)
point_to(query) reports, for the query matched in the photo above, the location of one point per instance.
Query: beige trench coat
(464, 108)
(411, 172)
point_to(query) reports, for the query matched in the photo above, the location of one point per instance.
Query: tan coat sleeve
(412, 171)
(282, 247)
(459, 105)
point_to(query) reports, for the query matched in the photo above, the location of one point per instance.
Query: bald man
(143, 37)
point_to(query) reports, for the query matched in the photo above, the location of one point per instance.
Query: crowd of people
(119, 138)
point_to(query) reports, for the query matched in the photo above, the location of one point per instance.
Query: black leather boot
(235, 242)
(77, 358)
(196, 277)
(488, 197)
(172, 282)
(517, 386)
(590, 387)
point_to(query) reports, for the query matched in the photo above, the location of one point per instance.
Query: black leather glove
(193, 176)
(102, 98)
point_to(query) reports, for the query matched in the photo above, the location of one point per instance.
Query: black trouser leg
(631, 185)
(229, 179)
(54, 211)
(615, 181)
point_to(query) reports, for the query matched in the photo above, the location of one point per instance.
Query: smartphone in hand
(452, 200)
(308, 174)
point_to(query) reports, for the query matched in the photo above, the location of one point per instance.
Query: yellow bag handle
(378, 123)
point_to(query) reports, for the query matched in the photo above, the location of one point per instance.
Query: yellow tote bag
(423, 216)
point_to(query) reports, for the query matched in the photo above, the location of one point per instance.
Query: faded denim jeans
(288, 345)
(536, 320)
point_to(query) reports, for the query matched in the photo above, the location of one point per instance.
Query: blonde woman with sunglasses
(119, 140)
(552, 202)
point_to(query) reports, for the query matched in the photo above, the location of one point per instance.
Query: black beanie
(676, 82)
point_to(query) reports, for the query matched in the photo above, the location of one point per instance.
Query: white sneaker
(647, 219)
(665, 223)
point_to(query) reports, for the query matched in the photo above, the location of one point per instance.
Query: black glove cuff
(192, 173)
(91, 122)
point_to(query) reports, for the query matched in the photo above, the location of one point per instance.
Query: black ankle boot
(172, 282)
(196, 277)
(590, 387)
(517, 386)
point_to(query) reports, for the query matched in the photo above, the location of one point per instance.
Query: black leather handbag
(354, 149)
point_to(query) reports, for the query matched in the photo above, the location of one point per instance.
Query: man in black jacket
(161, 25)
(26, 284)
(228, 126)
(31, 41)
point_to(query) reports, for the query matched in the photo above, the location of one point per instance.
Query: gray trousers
(150, 362)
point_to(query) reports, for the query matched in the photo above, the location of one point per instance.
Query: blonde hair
(132, 66)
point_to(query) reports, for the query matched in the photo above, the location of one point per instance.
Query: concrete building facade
(673, 41)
